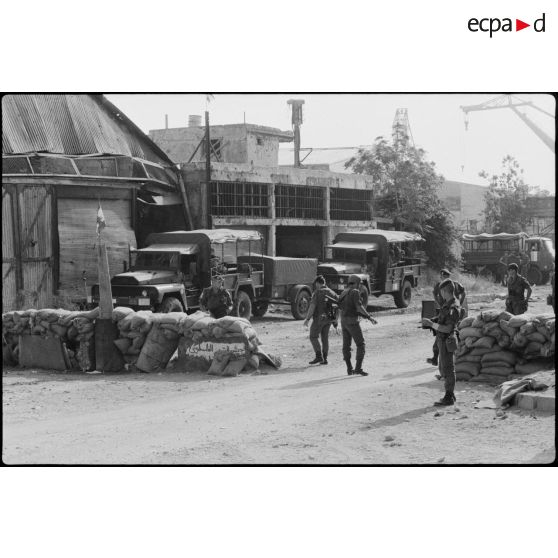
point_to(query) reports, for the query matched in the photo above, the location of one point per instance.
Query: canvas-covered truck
(169, 274)
(484, 253)
(387, 262)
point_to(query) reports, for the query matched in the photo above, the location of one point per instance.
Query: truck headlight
(144, 293)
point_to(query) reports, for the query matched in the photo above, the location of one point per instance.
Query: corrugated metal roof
(73, 125)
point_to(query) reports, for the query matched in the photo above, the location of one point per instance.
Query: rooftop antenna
(296, 122)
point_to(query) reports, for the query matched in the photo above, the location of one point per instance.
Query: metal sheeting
(9, 290)
(202, 236)
(35, 203)
(69, 124)
(7, 226)
(38, 283)
(369, 234)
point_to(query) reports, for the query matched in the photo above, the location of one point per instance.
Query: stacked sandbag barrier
(76, 329)
(495, 345)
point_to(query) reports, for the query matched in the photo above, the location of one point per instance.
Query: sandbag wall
(74, 328)
(494, 345)
(149, 340)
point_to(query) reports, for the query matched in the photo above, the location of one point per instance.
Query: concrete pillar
(271, 244)
(328, 232)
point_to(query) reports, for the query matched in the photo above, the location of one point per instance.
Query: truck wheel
(535, 276)
(402, 297)
(545, 277)
(242, 306)
(300, 302)
(260, 308)
(170, 304)
(364, 295)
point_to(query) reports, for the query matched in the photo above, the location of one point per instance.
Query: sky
(346, 120)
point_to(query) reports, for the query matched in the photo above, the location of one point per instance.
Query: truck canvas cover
(371, 235)
(202, 236)
(289, 271)
(499, 236)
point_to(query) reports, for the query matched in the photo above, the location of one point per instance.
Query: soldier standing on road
(516, 301)
(351, 308)
(460, 294)
(446, 339)
(216, 299)
(321, 319)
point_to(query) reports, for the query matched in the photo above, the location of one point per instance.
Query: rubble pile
(76, 329)
(494, 345)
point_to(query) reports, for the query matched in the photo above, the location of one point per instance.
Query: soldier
(321, 319)
(460, 293)
(446, 339)
(351, 308)
(216, 299)
(516, 302)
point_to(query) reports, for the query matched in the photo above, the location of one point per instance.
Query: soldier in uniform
(516, 301)
(351, 308)
(321, 320)
(446, 339)
(460, 294)
(216, 299)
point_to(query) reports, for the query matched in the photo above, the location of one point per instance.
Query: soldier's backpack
(331, 309)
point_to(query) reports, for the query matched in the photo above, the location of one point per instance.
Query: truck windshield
(348, 255)
(155, 260)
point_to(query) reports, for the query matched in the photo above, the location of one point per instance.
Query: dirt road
(300, 414)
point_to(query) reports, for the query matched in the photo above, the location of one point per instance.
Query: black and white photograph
(278, 279)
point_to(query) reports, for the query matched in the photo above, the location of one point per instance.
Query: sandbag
(527, 328)
(497, 370)
(465, 322)
(505, 316)
(538, 337)
(120, 312)
(550, 326)
(156, 351)
(472, 368)
(469, 342)
(234, 367)
(478, 322)
(227, 321)
(490, 315)
(173, 318)
(543, 331)
(486, 342)
(140, 318)
(517, 321)
(533, 348)
(190, 319)
(203, 323)
(470, 332)
(219, 362)
(125, 323)
(532, 367)
(462, 376)
(468, 358)
(547, 350)
(503, 356)
(504, 341)
(59, 330)
(218, 332)
(488, 327)
(505, 326)
(489, 378)
(123, 344)
(519, 340)
(483, 350)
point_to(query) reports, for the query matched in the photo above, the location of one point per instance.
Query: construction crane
(401, 130)
(512, 102)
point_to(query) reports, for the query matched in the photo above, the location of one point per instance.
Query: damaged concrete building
(297, 210)
(62, 155)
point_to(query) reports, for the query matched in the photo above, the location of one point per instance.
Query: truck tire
(535, 276)
(300, 301)
(545, 277)
(170, 304)
(364, 294)
(260, 308)
(402, 297)
(242, 306)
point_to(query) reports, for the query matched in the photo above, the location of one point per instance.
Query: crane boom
(505, 101)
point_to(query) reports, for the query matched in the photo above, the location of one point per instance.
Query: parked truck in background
(387, 262)
(169, 274)
(482, 255)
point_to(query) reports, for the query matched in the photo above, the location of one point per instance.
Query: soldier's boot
(433, 361)
(324, 358)
(350, 370)
(448, 399)
(317, 360)
(358, 368)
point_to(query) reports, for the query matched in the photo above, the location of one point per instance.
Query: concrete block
(536, 402)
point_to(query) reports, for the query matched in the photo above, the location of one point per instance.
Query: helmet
(354, 279)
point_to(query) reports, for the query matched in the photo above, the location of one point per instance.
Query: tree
(407, 186)
(505, 201)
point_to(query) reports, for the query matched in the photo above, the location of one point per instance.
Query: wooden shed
(62, 155)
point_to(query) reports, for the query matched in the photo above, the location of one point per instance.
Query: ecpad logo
(493, 25)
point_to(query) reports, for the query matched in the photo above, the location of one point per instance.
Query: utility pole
(207, 171)
(296, 122)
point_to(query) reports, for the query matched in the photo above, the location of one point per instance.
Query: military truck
(169, 274)
(387, 262)
(482, 254)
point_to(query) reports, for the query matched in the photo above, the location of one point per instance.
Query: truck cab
(169, 274)
(387, 262)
